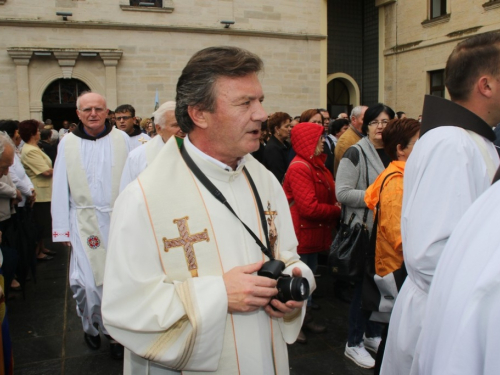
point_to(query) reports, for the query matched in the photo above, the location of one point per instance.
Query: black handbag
(348, 249)
(379, 292)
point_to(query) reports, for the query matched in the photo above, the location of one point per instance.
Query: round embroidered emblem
(94, 242)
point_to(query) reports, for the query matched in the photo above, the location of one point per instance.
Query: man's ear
(198, 116)
(486, 85)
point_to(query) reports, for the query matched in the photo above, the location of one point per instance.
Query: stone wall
(413, 46)
(154, 48)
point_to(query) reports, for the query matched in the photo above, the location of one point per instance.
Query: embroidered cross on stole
(273, 232)
(186, 241)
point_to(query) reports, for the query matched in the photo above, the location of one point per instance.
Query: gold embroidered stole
(152, 148)
(88, 225)
(186, 243)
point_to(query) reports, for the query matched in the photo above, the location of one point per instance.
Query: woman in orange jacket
(399, 136)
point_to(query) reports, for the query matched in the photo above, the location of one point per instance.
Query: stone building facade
(417, 37)
(130, 52)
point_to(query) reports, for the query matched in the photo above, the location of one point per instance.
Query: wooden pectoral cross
(186, 241)
(273, 232)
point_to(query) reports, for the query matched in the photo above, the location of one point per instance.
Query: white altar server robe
(460, 331)
(138, 140)
(444, 175)
(137, 160)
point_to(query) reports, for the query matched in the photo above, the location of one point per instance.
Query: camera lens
(292, 288)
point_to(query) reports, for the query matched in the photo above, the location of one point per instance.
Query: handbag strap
(373, 236)
(365, 214)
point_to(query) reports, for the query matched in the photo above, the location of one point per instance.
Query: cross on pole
(186, 241)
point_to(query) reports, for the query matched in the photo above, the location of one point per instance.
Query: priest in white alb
(181, 291)
(86, 183)
(139, 158)
(451, 165)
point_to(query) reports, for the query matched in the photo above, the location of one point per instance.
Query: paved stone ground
(48, 338)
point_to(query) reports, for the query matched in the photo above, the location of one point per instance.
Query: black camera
(289, 288)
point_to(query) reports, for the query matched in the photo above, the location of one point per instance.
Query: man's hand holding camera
(247, 292)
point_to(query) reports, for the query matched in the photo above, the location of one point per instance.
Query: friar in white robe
(460, 329)
(451, 165)
(181, 291)
(126, 121)
(86, 183)
(139, 158)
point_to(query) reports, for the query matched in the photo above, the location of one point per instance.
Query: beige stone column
(21, 60)
(110, 60)
(66, 60)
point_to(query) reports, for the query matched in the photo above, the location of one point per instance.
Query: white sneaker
(372, 343)
(359, 356)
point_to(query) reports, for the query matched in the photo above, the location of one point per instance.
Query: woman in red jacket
(310, 191)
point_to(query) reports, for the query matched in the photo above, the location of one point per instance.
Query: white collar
(204, 156)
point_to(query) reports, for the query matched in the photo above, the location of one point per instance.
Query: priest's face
(171, 127)
(233, 129)
(92, 112)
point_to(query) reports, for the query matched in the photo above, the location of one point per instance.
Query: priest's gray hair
(356, 111)
(196, 85)
(159, 114)
(5, 140)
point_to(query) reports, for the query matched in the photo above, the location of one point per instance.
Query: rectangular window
(437, 87)
(146, 3)
(438, 8)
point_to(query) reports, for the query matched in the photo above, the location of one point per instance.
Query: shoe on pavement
(115, 349)
(93, 342)
(301, 339)
(372, 343)
(359, 356)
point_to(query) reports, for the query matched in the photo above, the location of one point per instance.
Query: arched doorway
(59, 100)
(342, 94)
(338, 97)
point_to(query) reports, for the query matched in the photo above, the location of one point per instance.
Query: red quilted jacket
(310, 190)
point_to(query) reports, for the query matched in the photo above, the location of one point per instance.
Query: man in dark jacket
(46, 146)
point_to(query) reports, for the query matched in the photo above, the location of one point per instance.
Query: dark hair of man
(9, 126)
(336, 125)
(110, 112)
(45, 134)
(399, 114)
(469, 60)
(308, 114)
(373, 112)
(196, 85)
(276, 120)
(27, 129)
(125, 108)
(399, 132)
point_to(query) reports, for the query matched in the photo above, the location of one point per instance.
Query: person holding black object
(181, 290)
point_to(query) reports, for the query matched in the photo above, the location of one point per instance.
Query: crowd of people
(172, 223)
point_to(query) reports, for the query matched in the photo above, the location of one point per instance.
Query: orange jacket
(389, 249)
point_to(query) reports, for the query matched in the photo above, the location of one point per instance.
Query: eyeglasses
(125, 118)
(376, 122)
